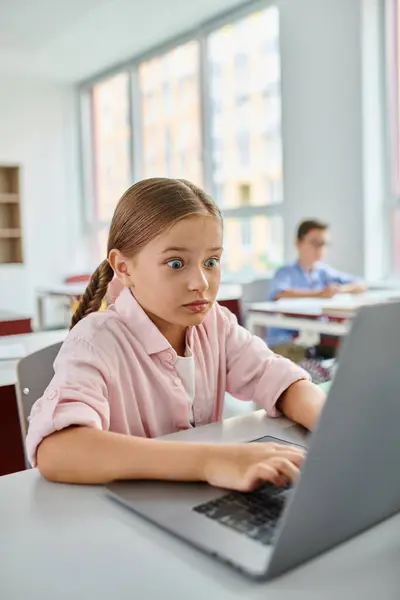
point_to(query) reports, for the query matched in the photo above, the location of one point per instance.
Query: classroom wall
(322, 123)
(38, 130)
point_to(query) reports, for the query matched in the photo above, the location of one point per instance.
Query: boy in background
(308, 277)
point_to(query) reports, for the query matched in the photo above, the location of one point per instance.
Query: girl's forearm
(85, 455)
(302, 402)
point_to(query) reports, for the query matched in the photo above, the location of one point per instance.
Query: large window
(245, 110)
(111, 143)
(208, 110)
(170, 114)
(245, 130)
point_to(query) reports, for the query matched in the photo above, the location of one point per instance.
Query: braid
(94, 293)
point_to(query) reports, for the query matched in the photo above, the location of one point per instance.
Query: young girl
(161, 359)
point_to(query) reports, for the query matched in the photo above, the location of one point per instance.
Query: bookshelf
(10, 216)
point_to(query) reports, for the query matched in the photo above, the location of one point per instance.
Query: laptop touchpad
(270, 438)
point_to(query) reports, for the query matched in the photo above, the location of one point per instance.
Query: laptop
(350, 480)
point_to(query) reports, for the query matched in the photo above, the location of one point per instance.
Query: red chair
(234, 305)
(77, 279)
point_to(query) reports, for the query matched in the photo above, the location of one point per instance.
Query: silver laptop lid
(351, 479)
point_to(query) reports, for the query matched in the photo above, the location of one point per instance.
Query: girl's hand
(244, 467)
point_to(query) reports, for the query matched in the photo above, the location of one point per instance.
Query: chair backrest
(256, 291)
(34, 373)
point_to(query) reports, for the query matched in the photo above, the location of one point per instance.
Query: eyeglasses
(318, 245)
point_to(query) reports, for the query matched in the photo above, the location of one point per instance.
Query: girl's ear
(121, 267)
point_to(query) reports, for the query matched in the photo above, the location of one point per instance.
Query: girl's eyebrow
(182, 249)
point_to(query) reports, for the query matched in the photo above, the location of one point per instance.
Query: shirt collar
(315, 268)
(137, 321)
(143, 328)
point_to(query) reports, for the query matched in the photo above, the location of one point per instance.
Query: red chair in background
(77, 279)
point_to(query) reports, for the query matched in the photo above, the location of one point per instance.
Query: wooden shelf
(9, 198)
(10, 233)
(10, 216)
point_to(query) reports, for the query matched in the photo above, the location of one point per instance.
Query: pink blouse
(116, 372)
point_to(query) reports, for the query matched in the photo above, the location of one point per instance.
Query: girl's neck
(177, 339)
(174, 334)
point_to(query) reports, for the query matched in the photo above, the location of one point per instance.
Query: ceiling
(72, 40)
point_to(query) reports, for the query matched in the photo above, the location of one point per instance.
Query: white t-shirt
(185, 368)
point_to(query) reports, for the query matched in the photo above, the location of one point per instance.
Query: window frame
(391, 126)
(131, 66)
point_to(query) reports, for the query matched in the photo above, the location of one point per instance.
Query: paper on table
(317, 306)
(12, 351)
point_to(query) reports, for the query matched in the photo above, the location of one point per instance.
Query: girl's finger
(285, 467)
(260, 473)
(296, 458)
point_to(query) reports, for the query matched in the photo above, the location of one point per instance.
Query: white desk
(32, 342)
(331, 316)
(62, 542)
(268, 314)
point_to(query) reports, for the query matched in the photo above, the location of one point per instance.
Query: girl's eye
(175, 264)
(211, 262)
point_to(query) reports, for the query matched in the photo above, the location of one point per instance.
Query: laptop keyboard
(254, 514)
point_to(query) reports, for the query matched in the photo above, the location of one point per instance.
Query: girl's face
(175, 277)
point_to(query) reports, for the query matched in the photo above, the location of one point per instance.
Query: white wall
(322, 122)
(38, 130)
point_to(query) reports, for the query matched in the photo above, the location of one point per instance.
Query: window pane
(101, 244)
(253, 245)
(393, 88)
(171, 114)
(396, 240)
(244, 67)
(111, 143)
